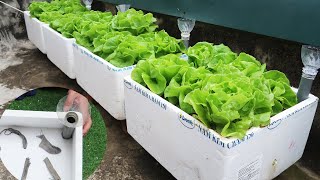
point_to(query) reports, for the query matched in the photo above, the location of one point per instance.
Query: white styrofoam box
(68, 163)
(189, 150)
(59, 50)
(102, 80)
(34, 31)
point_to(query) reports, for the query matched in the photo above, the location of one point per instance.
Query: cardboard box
(68, 163)
(59, 50)
(102, 80)
(189, 150)
(34, 31)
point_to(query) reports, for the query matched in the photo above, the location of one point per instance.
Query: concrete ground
(124, 157)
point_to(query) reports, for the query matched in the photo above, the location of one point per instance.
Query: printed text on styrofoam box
(93, 57)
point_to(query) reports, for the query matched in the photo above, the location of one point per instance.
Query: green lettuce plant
(130, 51)
(38, 9)
(136, 22)
(156, 73)
(227, 92)
(163, 43)
(122, 40)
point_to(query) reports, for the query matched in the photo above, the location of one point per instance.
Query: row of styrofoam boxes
(102, 80)
(183, 145)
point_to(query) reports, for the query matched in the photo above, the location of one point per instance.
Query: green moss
(94, 143)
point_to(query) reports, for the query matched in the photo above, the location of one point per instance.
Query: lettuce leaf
(106, 44)
(136, 22)
(37, 9)
(186, 80)
(227, 92)
(164, 69)
(163, 43)
(208, 55)
(130, 51)
(280, 87)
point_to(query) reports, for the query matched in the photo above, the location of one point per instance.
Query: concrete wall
(11, 21)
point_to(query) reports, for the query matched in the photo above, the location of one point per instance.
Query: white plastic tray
(59, 50)
(68, 163)
(34, 31)
(190, 151)
(102, 80)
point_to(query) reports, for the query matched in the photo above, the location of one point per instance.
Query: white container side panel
(59, 50)
(68, 163)
(34, 31)
(77, 153)
(102, 80)
(188, 150)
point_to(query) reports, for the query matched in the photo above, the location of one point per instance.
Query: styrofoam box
(34, 31)
(102, 80)
(59, 50)
(189, 150)
(68, 163)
